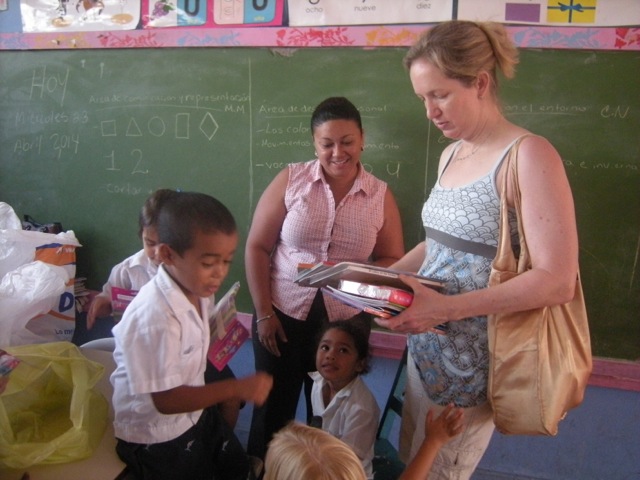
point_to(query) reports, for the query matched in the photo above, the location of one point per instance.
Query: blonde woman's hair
(462, 49)
(301, 452)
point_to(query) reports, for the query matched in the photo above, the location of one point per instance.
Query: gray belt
(486, 251)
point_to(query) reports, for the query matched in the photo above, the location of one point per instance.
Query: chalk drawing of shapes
(133, 130)
(108, 128)
(208, 126)
(182, 126)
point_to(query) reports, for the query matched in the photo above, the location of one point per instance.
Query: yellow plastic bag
(50, 411)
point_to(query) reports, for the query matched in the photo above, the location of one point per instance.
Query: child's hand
(447, 425)
(437, 432)
(100, 307)
(256, 388)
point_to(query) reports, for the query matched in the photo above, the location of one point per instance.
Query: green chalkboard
(86, 135)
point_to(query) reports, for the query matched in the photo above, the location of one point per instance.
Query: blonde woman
(454, 70)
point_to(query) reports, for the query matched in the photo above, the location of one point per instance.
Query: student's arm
(389, 246)
(100, 307)
(101, 304)
(184, 399)
(437, 432)
(263, 235)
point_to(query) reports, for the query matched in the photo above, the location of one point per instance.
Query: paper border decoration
(575, 38)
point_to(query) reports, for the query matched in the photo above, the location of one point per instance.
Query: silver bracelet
(266, 317)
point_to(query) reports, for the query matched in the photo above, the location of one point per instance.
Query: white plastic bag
(8, 218)
(37, 272)
(27, 293)
(18, 247)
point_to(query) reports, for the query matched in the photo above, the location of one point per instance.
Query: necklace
(473, 150)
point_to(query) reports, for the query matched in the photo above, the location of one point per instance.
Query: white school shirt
(352, 416)
(161, 343)
(132, 273)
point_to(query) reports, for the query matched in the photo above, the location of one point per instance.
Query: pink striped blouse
(315, 230)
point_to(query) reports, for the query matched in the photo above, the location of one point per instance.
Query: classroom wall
(599, 440)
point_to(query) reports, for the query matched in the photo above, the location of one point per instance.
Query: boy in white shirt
(164, 422)
(134, 271)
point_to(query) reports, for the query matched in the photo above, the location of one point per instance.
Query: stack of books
(327, 273)
(81, 294)
(377, 300)
(372, 289)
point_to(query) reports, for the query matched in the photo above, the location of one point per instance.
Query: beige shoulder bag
(540, 360)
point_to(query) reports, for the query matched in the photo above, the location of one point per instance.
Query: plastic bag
(8, 218)
(50, 411)
(18, 247)
(27, 292)
(21, 247)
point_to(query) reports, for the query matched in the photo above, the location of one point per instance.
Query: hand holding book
(413, 320)
(382, 292)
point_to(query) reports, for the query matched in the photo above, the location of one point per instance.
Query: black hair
(149, 212)
(185, 214)
(360, 336)
(335, 108)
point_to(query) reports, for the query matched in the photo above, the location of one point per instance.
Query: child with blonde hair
(299, 451)
(302, 452)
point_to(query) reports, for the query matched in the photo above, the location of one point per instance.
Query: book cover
(396, 296)
(368, 305)
(360, 272)
(120, 300)
(306, 270)
(227, 333)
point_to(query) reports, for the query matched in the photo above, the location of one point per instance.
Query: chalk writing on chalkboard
(86, 135)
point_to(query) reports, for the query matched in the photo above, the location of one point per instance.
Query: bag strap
(505, 259)
(524, 259)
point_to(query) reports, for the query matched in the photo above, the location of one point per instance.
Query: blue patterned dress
(462, 228)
